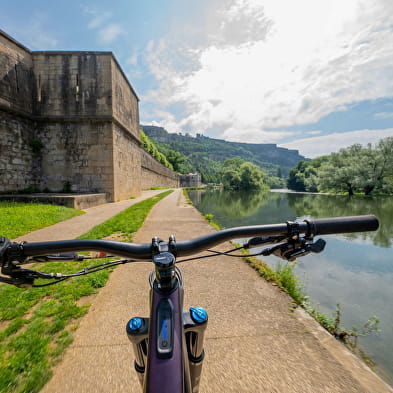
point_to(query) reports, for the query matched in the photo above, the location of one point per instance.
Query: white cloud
(133, 59)
(313, 132)
(275, 64)
(109, 33)
(100, 21)
(326, 144)
(98, 18)
(384, 115)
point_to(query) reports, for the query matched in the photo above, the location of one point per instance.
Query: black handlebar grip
(326, 226)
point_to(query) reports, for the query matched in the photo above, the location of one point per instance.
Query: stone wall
(127, 164)
(125, 101)
(77, 156)
(73, 84)
(70, 121)
(154, 174)
(16, 155)
(16, 76)
(16, 102)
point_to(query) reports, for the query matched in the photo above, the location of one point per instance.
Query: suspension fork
(150, 368)
(168, 346)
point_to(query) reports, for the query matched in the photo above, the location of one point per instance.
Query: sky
(310, 75)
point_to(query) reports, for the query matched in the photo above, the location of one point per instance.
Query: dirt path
(254, 343)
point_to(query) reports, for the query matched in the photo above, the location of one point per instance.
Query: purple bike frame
(166, 375)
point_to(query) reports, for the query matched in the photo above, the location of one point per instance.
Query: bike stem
(164, 258)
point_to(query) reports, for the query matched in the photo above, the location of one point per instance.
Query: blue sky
(312, 75)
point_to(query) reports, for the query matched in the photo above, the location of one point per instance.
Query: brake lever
(295, 249)
(71, 256)
(257, 241)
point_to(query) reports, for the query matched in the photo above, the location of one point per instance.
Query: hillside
(204, 153)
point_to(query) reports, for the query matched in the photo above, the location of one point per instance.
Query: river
(354, 270)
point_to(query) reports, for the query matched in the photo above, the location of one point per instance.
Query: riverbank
(288, 191)
(254, 341)
(353, 270)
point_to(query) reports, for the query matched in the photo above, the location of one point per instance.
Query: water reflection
(355, 270)
(231, 204)
(336, 206)
(244, 208)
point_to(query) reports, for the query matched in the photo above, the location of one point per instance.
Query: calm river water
(354, 270)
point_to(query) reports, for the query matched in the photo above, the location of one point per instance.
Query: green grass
(36, 324)
(283, 276)
(18, 219)
(127, 222)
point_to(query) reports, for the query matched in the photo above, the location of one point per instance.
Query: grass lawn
(36, 324)
(122, 223)
(17, 219)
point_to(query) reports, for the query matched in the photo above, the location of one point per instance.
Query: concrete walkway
(254, 343)
(76, 226)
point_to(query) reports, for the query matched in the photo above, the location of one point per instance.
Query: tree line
(355, 169)
(234, 173)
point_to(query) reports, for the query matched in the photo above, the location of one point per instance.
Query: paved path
(254, 343)
(76, 226)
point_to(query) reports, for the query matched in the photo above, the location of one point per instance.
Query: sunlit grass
(17, 219)
(127, 222)
(36, 324)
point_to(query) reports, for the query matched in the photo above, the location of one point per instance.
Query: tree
(231, 179)
(353, 169)
(176, 159)
(251, 177)
(303, 177)
(238, 174)
(358, 169)
(339, 172)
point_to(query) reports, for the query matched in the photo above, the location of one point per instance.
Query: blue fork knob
(135, 323)
(198, 314)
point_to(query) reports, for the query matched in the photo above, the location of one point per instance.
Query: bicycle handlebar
(314, 227)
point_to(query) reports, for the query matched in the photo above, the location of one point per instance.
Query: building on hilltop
(70, 121)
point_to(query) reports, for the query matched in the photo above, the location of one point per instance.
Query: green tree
(251, 177)
(231, 179)
(176, 159)
(339, 173)
(151, 148)
(303, 177)
(238, 174)
(358, 169)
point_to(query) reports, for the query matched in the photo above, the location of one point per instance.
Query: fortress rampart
(70, 121)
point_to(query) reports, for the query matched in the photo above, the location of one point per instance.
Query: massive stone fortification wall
(125, 101)
(76, 156)
(16, 76)
(73, 84)
(69, 120)
(16, 124)
(154, 174)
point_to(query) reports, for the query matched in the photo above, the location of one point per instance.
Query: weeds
(284, 277)
(209, 218)
(185, 193)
